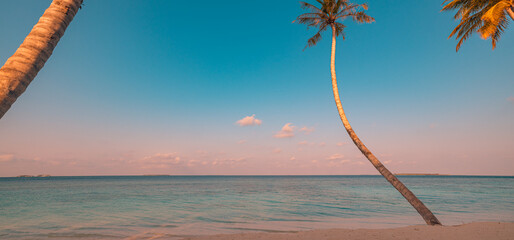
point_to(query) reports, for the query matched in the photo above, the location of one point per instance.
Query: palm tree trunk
(22, 67)
(427, 215)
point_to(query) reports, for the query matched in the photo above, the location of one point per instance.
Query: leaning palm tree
(487, 17)
(22, 67)
(330, 15)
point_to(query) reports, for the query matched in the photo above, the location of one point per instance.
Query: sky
(225, 88)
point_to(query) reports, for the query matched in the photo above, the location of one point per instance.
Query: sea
(173, 207)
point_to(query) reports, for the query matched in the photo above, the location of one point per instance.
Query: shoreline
(468, 231)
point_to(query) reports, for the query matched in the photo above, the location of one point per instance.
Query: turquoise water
(170, 207)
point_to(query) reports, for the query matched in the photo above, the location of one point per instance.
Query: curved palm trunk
(22, 67)
(427, 215)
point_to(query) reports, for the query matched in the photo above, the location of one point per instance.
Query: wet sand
(470, 231)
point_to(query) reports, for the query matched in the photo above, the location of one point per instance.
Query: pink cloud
(336, 156)
(6, 157)
(286, 132)
(192, 163)
(306, 129)
(241, 142)
(159, 160)
(340, 144)
(229, 161)
(322, 144)
(277, 150)
(249, 121)
(511, 99)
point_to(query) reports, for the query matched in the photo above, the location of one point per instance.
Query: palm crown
(487, 17)
(331, 13)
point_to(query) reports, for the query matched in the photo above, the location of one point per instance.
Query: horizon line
(259, 175)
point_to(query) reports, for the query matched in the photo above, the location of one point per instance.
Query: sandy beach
(470, 231)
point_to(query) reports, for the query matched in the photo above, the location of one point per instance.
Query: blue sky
(132, 80)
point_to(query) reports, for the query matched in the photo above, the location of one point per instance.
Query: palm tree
(487, 17)
(331, 14)
(22, 67)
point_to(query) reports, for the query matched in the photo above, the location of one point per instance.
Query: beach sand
(470, 231)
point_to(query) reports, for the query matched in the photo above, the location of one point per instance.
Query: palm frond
(362, 17)
(317, 37)
(309, 19)
(339, 29)
(350, 8)
(487, 17)
(495, 13)
(308, 6)
(330, 13)
(502, 25)
(494, 29)
(465, 28)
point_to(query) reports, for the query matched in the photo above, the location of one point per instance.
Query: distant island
(40, 175)
(421, 174)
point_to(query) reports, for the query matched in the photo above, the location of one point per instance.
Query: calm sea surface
(171, 207)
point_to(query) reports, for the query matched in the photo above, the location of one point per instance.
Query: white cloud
(286, 132)
(306, 130)
(249, 121)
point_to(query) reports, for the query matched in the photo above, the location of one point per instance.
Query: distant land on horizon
(170, 175)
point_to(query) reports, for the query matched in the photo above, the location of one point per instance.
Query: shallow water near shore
(140, 207)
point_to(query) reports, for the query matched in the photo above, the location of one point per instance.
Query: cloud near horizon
(249, 121)
(286, 132)
(6, 157)
(10, 158)
(159, 160)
